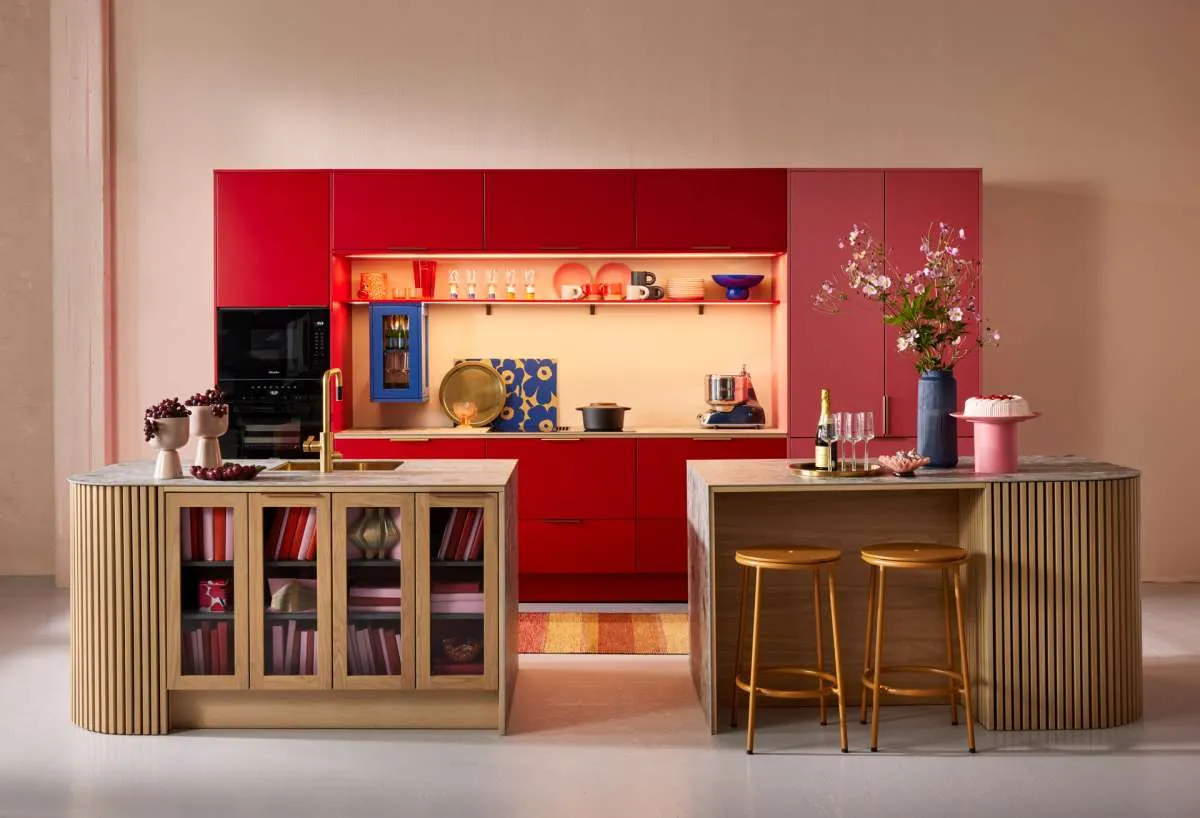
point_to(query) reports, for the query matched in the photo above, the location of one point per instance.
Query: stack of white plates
(685, 289)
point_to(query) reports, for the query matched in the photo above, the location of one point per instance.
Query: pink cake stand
(995, 442)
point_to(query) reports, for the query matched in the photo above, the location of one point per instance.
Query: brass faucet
(325, 444)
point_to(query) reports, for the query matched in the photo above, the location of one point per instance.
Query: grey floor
(595, 736)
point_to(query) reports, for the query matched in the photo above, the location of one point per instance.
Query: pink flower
(870, 290)
(919, 289)
(956, 314)
(962, 234)
(952, 251)
(995, 336)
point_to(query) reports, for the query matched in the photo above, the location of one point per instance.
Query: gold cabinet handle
(884, 415)
(712, 438)
(561, 439)
(408, 440)
(292, 495)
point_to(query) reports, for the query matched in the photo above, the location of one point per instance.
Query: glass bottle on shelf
(471, 284)
(530, 292)
(395, 351)
(453, 278)
(491, 285)
(510, 285)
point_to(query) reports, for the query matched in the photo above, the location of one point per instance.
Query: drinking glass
(866, 427)
(839, 434)
(829, 436)
(848, 435)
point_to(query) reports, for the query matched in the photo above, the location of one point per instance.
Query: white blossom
(956, 314)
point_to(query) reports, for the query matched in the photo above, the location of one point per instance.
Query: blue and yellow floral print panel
(532, 400)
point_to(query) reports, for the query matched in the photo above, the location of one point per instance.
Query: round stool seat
(913, 555)
(786, 557)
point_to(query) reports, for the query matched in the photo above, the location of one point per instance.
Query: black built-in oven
(271, 418)
(272, 343)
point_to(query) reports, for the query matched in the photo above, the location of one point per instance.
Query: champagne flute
(839, 434)
(848, 435)
(828, 435)
(858, 436)
(866, 425)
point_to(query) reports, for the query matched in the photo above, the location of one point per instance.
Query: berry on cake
(996, 406)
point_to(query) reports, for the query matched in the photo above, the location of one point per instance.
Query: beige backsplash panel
(651, 359)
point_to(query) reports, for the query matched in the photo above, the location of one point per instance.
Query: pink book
(308, 539)
(208, 533)
(351, 662)
(303, 652)
(289, 650)
(185, 531)
(391, 650)
(398, 649)
(364, 646)
(277, 650)
(197, 654)
(358, 657)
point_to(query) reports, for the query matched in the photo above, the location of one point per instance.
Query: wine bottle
(826, 453)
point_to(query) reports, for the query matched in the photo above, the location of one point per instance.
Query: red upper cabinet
(712, 210)
(407, 210)
(272, 238)
(545, 210)
(843, 353)
(915, 200)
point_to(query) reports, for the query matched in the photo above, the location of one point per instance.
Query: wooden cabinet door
(548, 210)
(207, 606)
(290, 616)
(458, 597)
(407, 210)
(272, 238)
(571, 477)
(374, 595)
(843, 353)
(577, 547)
(414, 448)
(662, 466)
(915, 201)
(712, 210)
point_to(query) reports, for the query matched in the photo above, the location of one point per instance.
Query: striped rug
(560, 632)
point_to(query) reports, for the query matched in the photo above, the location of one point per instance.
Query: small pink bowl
(902, 465)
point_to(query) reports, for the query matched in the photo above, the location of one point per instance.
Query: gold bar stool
(788, 558)
(914, 557)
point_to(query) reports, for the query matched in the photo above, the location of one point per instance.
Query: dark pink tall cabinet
(853, 354)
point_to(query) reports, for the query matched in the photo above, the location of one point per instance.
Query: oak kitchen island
(382, 594)
(1053, 611)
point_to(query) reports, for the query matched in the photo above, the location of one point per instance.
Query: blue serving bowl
(737, 287)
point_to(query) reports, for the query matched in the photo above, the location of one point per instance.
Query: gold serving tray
(476, 381)
(809, 469)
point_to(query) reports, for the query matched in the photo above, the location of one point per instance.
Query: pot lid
(601, 405)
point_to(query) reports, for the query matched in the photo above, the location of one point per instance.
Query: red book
(207, 515)
(219, 533)
(222, 648)
(271, 546)
(277, 650)
(392, 651)
(196, 523)
(475, 545)
(308, 536)
(214, 650)
(290, 526)
(456, 544)
(228, 533)
(364, 650)
(452, 524)
(197, 654)
(185, 534)
(474, 516)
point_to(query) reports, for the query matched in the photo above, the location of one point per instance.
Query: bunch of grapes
(213, 398)
(166, 408)
(227, 471)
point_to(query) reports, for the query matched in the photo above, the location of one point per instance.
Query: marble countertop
(773, 475)
(567, 431)
(414, 474)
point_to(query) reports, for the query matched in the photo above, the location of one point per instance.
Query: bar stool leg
(837, 662)
(966, 672)
(949, 644)
(737, 654)
(865, 693)
(816, 593)
(878, 659)
(754, 661)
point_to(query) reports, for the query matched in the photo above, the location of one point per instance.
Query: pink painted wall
(1082, 115)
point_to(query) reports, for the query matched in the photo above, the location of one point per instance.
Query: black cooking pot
(603, 417)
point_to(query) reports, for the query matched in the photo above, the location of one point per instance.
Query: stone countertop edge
(485, 475)
(771, 475)
(642, 431)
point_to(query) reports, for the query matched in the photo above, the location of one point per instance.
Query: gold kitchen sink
(339, 465)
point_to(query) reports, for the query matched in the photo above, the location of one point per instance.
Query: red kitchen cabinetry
(577, 546)
(546, 210)
(271, 238)
(662, 547)
(915, 201)
(412, 449)
(570, 477)
(712, 210)
(407, 210)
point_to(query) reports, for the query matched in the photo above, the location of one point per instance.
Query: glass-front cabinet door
(456, 543)
(290, 621)
(206, 591)
(373, 591)
(399, 354)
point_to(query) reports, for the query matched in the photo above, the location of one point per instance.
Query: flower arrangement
(213, 398)
(932, 308)
(166, 408)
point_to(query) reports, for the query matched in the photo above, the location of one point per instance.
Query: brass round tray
(475, 381)
(809, 469)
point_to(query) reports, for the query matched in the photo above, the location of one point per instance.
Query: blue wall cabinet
(399, 353)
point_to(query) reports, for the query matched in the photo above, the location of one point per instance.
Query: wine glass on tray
(827, 432)
(866, 426)
(840, 434)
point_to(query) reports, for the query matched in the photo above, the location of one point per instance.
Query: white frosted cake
(996, 406)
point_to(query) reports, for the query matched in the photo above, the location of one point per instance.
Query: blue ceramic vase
(937, 432)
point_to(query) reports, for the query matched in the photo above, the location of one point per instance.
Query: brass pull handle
(408, 440)
(712, 438)
(565, 521)
(292, 495)
(561, 439)
(884, 415)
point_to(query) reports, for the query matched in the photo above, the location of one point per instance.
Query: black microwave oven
(272, 343)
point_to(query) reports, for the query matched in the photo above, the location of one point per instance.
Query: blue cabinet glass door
(399, 353)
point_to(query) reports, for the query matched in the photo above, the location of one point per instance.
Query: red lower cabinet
(662, 466)
(662, 546)
(577, 546)
(570, 477)
(372, 448)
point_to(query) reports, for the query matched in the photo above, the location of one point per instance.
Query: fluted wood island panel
(1053, 613)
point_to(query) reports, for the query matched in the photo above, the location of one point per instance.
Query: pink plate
(571, 273)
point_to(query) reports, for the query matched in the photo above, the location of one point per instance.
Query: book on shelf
(371, 598)
(206, 534)
(293, 650)
(205, 650)
(462, 536)
(372, 651)
(457, 668)
(308, 537)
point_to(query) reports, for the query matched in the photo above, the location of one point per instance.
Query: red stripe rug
(637, 633)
